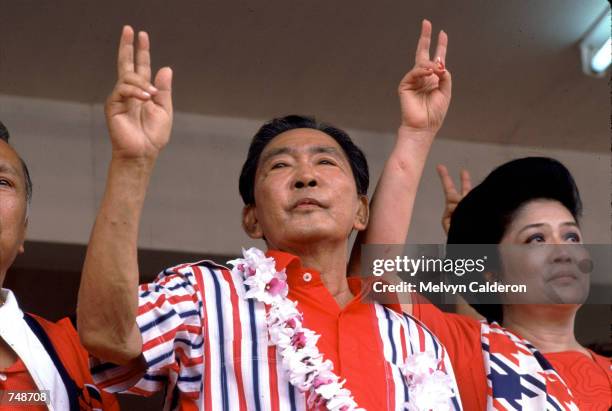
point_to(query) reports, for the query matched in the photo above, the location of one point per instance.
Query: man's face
(12, 207)
(305, 193)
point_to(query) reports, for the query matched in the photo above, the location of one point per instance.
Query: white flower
(433, 393)
(429, 387)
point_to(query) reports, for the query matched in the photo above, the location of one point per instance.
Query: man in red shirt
(36, 356)
(197, 330)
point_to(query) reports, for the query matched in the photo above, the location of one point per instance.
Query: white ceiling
(515, 64)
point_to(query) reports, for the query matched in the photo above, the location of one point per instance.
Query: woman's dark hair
(485, 213)
(274, 127)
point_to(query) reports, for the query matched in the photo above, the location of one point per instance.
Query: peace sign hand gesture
(138, 113)
(425, 91)
(451, 195)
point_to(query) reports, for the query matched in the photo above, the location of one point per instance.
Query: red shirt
(17, 378)
(589, 379)
(210, 348)
(73, 356)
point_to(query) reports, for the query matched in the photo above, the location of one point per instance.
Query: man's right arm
(139, 118)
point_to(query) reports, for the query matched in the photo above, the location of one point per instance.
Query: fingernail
(152, 89)
(147, 95)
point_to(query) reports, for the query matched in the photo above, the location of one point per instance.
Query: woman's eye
(4, 182)
(326, 162)
(573, 237)
(279, 165)
(535, 238)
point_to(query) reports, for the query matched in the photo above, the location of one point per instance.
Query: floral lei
(429, 386)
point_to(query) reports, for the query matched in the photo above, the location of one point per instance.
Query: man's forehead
(9, 159)
(302, 140)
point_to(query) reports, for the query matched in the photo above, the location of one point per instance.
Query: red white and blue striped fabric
(211, 350)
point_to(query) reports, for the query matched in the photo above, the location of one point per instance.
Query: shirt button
(2, 377)
(307, 277)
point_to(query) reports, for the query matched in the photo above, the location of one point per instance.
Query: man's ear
(25, 230)
(363, 214)
(250, 224)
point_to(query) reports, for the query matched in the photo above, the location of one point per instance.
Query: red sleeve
(461, 337)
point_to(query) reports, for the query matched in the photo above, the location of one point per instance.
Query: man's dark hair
(484, 214)
(274, 127)
(5, 136)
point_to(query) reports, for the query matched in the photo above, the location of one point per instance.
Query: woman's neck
(550, 328)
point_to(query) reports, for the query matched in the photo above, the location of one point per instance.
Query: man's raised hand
(425, 91)
(138, 112)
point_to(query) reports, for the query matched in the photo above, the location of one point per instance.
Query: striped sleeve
(170, 321)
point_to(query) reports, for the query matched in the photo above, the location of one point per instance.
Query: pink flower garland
(429, 387)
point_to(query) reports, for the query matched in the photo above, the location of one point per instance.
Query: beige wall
(193, 204)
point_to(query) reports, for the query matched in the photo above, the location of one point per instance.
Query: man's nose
(301, 183)
(305, 178)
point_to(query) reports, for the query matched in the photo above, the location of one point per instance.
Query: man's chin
(309, 233)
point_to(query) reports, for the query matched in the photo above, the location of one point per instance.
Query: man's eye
(535, 238)
(279, 165)
(4, 182)
(326, 162)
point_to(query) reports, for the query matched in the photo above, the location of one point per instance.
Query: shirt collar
(361, 287)
(9, 311)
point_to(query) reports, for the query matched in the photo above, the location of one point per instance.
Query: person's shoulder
(187, 271)
(470, 324)
(187, 267)
(604, 361)
(64, 337)
(63, 327)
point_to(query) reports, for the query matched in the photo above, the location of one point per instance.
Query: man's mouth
(305, 203)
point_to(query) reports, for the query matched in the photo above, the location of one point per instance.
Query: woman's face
(542, 248)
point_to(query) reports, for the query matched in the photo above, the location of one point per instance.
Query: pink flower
(276, 286)
(315, 401)
(321, 380)
(298, 340)
(251, 271)
(240, 267)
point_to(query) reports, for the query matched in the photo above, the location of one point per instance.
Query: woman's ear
(490, 276)
(250, 224)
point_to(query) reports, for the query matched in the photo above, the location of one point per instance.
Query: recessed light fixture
(595, 47)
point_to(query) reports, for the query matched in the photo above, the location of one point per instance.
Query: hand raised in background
(451, 195)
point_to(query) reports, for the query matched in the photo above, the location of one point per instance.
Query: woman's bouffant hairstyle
(485, 213)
